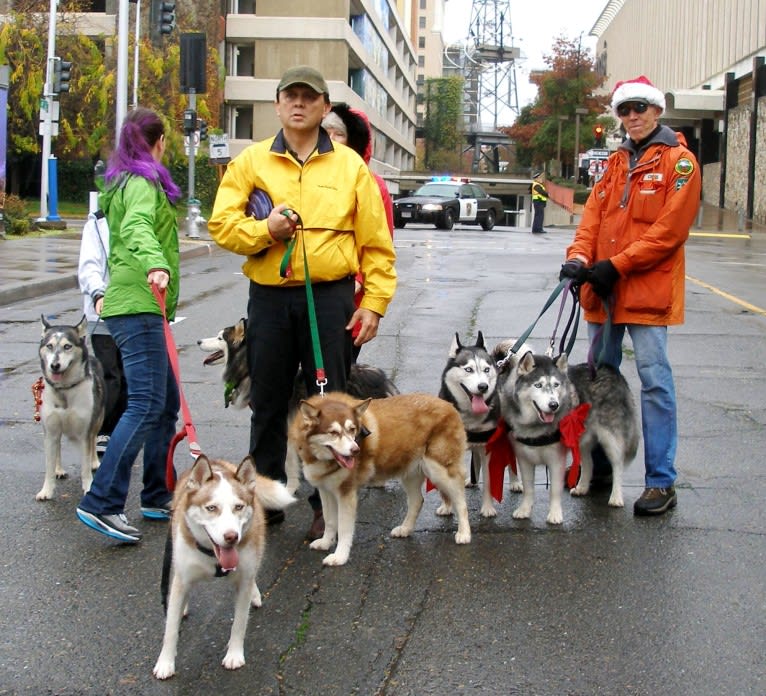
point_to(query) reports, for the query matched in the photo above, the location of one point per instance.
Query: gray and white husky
(72, 401)
(538, 393)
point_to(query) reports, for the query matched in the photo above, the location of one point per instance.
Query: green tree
(442, 135)
(569, 83)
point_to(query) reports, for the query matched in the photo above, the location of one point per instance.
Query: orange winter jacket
(638, 216)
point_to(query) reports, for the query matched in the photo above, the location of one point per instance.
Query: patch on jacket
(652, 176)
(684, 166)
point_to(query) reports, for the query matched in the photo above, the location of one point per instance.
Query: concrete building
(362, 47)
(708, 57)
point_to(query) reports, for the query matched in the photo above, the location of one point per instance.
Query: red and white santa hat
(637, 89)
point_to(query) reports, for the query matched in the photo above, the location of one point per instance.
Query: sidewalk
(34, 266)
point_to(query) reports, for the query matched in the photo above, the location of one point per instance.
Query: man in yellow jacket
(299, 186)
(628, 252)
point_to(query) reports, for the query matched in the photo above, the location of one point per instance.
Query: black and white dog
(72, 401)
(470, 382)
(228, 347)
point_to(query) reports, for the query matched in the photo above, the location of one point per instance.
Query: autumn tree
(570, 82)
(442, 135)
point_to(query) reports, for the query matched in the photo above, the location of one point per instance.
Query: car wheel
(448, 219)
(398, 222)
(489, 221)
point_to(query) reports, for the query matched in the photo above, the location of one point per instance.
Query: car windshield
(441, 189)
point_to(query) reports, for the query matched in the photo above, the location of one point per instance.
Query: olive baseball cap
(303, 75)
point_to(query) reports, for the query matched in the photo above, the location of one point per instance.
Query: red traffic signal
(598, 134)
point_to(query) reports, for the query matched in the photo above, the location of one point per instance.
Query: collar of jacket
(324, 144)
(663, 136)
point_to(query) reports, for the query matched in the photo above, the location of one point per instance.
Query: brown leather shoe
(316, 531)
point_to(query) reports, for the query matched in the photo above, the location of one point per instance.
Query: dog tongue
(478, 405)
(227, 557)
(548, 417)
(344, 460)
(213, 358)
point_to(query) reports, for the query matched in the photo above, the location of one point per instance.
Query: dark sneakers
(655, 501)
(114, 526)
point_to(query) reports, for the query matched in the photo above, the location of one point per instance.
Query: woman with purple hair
(139, 200)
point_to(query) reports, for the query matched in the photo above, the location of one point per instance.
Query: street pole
(579, 111)
(135, 53)
(561, 120)
(192, 206)
(121, 99)
(46, 104)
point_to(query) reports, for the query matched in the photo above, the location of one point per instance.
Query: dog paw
(401, 532)
(516, 487)
(164, 669)
(615, 500)
(44, 494)
(322, 544)
(555, 517)
(523, 512)
(579, 490)
(463, 537)
(488, 511)
(255, 597)
(234, 659)
(335, 559)
(61, 474)
(444, 510)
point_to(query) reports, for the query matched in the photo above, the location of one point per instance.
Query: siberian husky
(217, 529)
(229, 347)
(470, 382)
(539, 392)
(345, 443)
(72, 401)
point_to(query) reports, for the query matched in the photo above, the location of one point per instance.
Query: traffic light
(202, 130)
(598, 134)
(190, 121)
(163, 17)
(62, 74)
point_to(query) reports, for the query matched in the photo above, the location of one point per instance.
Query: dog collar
(540, 441)
(363, 433)
(219, 572)
(59, 387)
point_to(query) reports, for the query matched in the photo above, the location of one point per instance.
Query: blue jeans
(658, 395)
(149, 420)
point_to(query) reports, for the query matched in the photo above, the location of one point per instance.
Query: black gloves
(575, 270)
(602, 276)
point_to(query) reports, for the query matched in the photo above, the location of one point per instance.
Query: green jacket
(143, 236)
(345, 226)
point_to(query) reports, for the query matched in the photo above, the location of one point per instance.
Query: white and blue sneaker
(161, 512)
(114, 526)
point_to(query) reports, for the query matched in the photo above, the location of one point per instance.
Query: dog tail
(272, 494)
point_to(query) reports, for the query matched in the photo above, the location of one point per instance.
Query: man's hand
(602, 275)
(281, 226)
(369, 325)
(574, 269)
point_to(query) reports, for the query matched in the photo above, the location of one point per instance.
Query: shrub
(17, 221)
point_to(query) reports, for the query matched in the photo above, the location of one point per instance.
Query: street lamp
(579, 111)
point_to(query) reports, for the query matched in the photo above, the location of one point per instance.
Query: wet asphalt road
(604, 604)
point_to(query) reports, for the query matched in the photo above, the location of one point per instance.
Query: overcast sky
(535, 27)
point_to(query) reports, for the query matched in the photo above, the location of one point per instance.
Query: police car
(445, 201)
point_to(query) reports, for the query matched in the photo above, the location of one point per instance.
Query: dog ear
(82, 327)
(561, 362)
(527, 363)
(309, 411)
(361, 407)
(45, 324)
(201, 471)
(480, 341)
(246, 472)
(455, 346)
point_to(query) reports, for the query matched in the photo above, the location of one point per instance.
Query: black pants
(537, 220)
(116, 395)
(278, 342)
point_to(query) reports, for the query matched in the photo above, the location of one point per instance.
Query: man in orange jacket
(628, 254)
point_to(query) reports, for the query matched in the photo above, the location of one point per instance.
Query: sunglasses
(625, 108)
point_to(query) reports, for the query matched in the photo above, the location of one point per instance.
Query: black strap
(167, 562)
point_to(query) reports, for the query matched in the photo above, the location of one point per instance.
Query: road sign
(219, 148)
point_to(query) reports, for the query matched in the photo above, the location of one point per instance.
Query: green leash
(285, 271)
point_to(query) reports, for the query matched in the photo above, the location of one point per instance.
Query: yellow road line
(722, 235)
(749, 307)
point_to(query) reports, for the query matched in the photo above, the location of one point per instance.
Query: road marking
(727, 296)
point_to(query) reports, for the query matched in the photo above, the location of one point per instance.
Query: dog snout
(553, 405)
(231, 537)
(483, 388)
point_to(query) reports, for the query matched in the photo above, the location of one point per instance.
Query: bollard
(53, 189)
(740, 220)
(193, 214)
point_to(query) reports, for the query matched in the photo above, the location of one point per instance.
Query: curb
(38, 288)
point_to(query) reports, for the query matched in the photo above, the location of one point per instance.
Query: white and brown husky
(72, 401)
(344, 443)
(217, 529)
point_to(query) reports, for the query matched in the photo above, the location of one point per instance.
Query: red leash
(188, 428)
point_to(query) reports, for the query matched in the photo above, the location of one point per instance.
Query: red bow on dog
(572, 426)
(501, 455)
